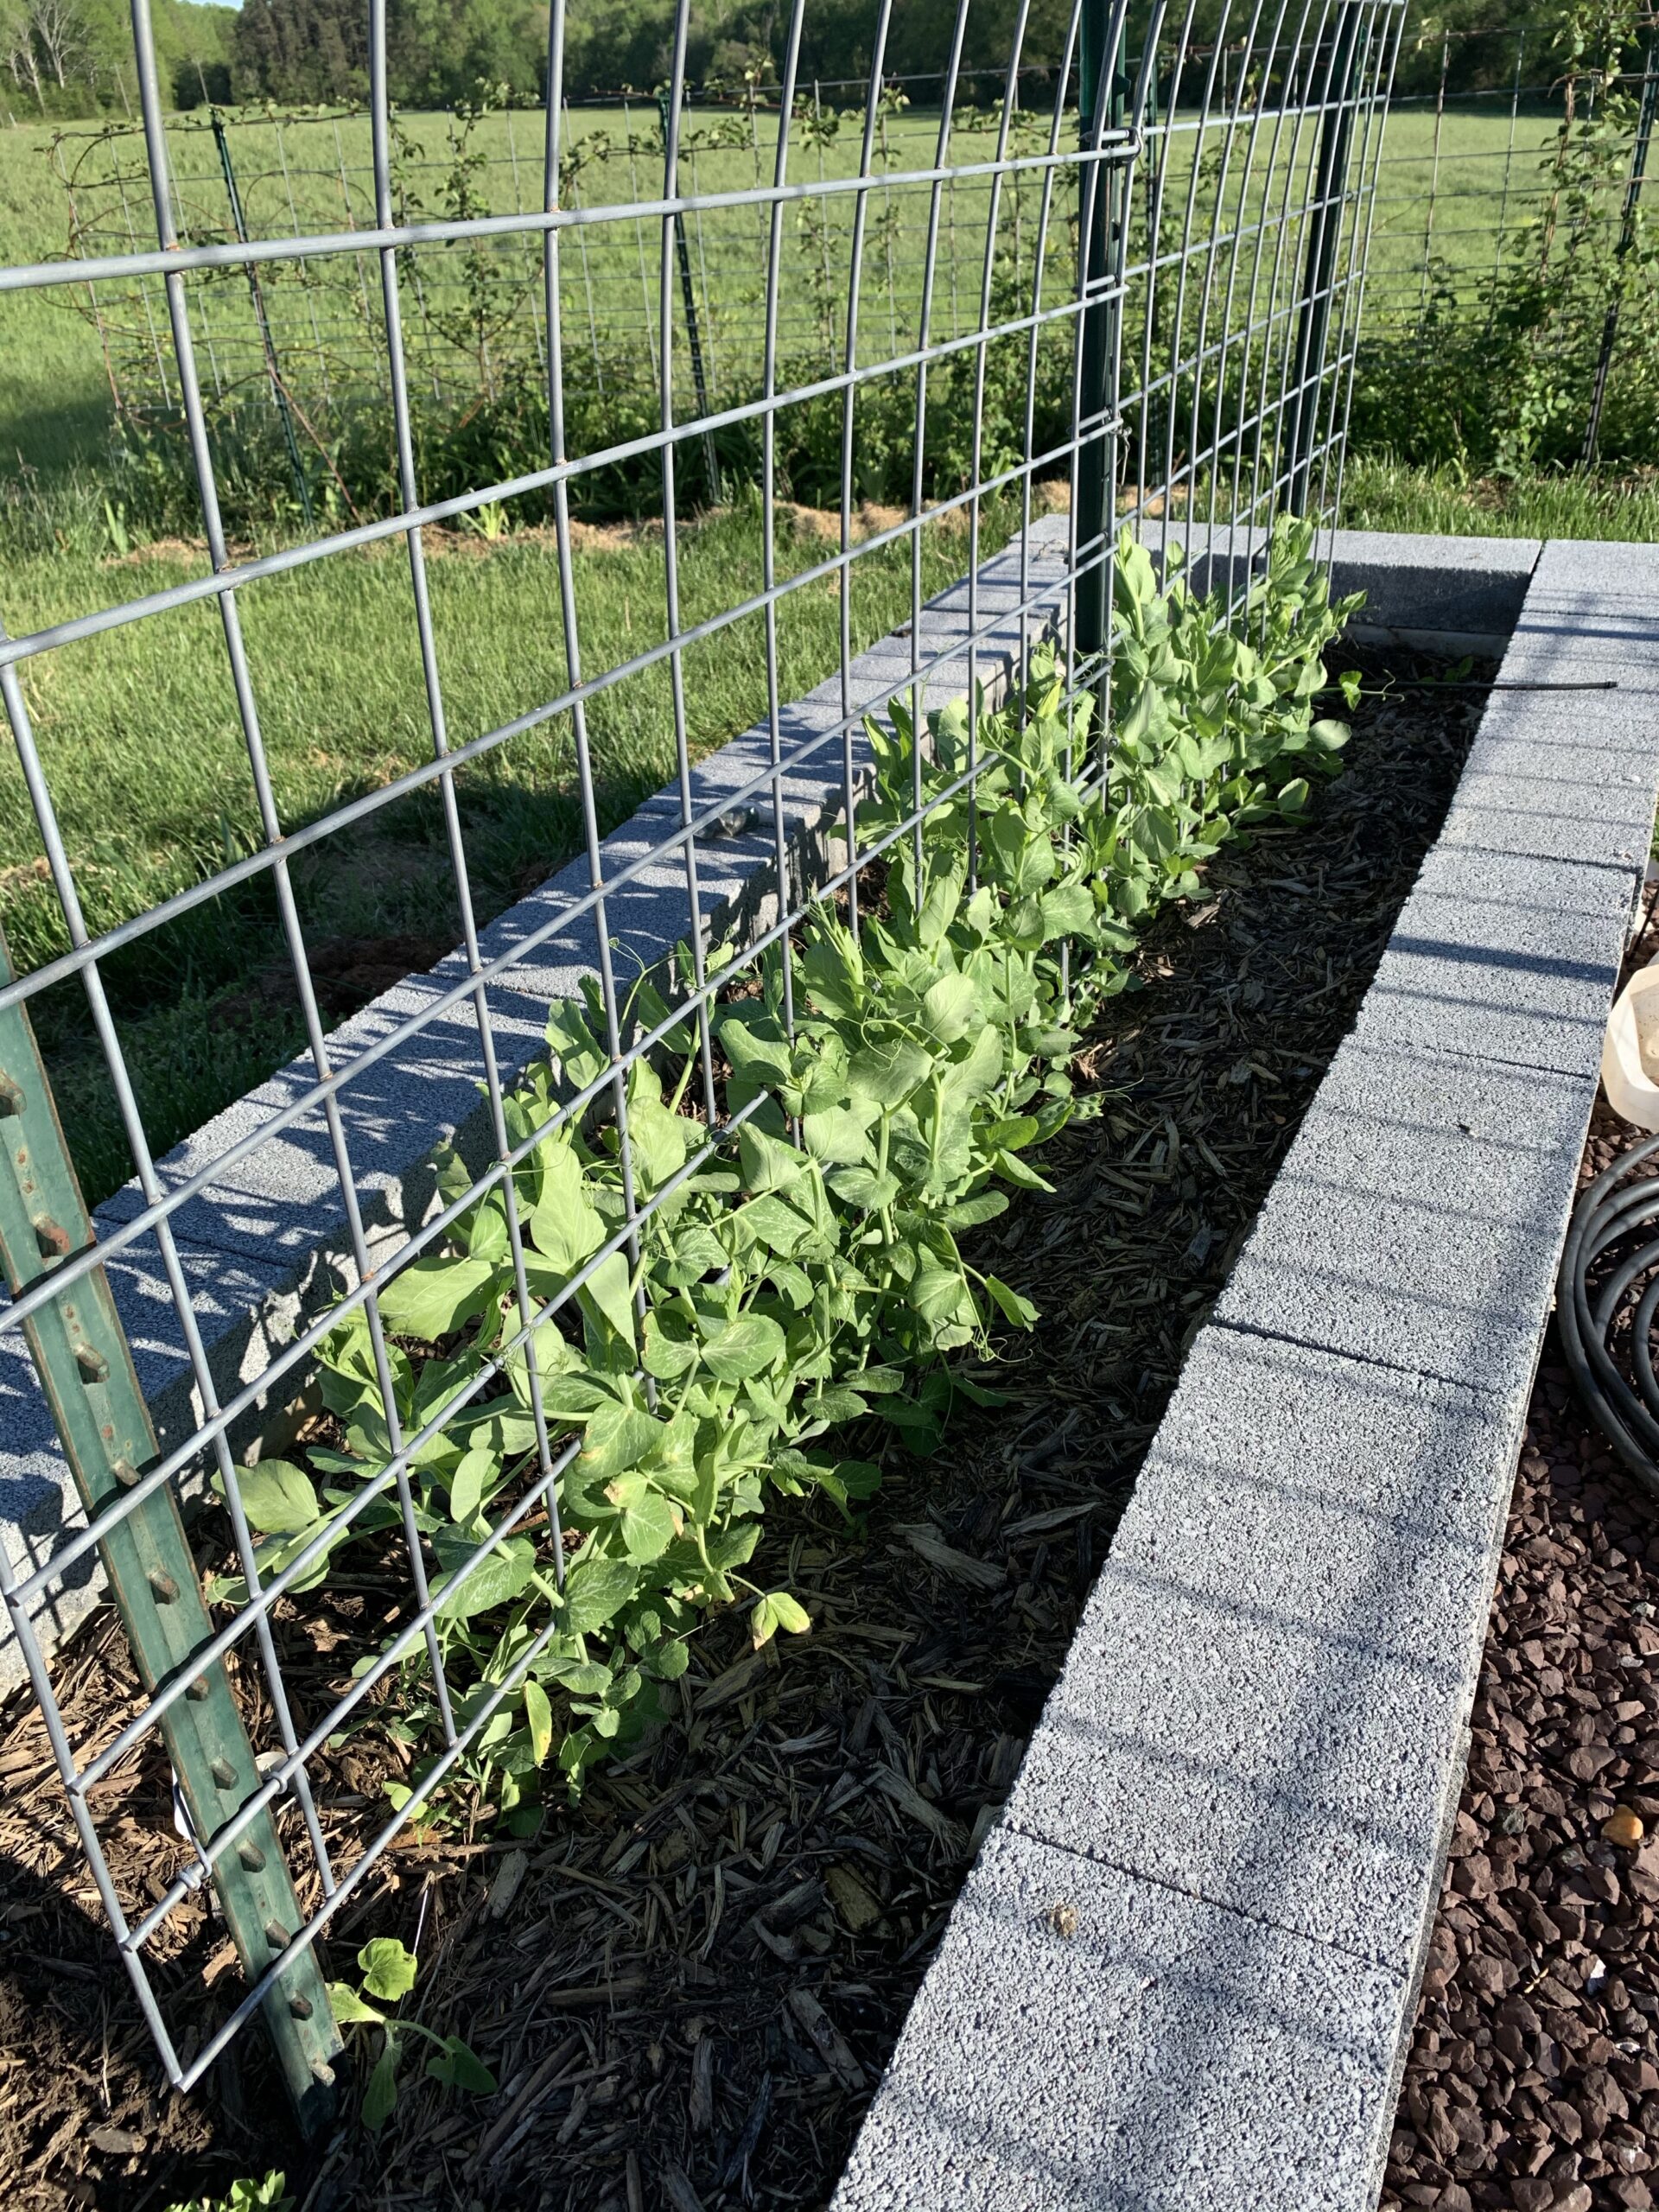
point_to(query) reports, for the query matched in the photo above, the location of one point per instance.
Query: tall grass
(1380, 494)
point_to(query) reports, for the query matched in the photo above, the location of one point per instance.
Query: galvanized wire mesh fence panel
(1509, 247)
(1136, 299)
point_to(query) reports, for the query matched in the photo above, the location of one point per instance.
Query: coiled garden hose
(1615, 1225)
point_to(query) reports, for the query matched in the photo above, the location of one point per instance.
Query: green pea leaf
(839, 1136)
(748, 1345)
(565, 1226)
(888, 1071)
(940, 1295)
(497, 1579)
(1013, 1170)
(969, 1213)
(381, 2095)
(863, 1188)
(388, 1968)
(349, 2008)
(276, 1496)
(775, 1611)
(1019, 1310)
(1068, 911)
(458, 2068)
(766, 1164)
(466, 1484)
(949, 1008)
(538, 1716)
(875, 1381)
(595, 1592)
(666, 1356)
(649, 1525)
(607, 1294)
(619, 1437)
(432, 1297)
(775, 1223)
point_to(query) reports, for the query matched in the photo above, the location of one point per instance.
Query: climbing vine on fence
(804, 1297)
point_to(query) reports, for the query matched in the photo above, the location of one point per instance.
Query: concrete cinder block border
(1252, 1760)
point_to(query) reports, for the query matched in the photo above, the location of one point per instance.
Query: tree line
(74, 57)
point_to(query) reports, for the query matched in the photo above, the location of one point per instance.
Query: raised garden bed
(687, 1987)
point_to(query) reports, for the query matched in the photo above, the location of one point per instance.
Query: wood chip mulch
(688, 1985)
(1533, 2080)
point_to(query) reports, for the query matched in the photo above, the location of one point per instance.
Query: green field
(139, 729)
(1461, 204)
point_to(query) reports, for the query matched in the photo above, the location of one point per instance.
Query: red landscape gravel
(1533, 2081)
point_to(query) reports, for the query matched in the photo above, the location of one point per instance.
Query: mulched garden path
(688, 1983)
(1533, 2082)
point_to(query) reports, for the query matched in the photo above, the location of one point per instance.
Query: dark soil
(688, 1985)
(1533, 2082)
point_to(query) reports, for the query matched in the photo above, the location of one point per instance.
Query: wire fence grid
(1148, 290)
(1471, 170)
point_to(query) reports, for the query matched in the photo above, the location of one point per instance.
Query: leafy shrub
(808, 1273)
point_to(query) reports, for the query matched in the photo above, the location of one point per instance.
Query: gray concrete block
(1503, 958)
(1265, 1702)
(1571, 568)
(242, 1310)
(1601, 641)
(1418, 584)
(1167, 2055)
(1419, 1216)
(1592, 613)
(1564, 779)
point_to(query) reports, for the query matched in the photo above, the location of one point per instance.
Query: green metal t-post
(1098, 455)
(268, 344)
(80, 1352)
(1329, 190)
(693, 334)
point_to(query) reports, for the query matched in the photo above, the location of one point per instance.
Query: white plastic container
(1630, 1051)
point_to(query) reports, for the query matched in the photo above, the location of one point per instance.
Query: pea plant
(808, 1282)
(387, 1971)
